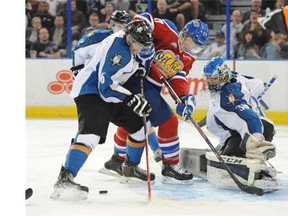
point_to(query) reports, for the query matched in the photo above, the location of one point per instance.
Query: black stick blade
(252, 190)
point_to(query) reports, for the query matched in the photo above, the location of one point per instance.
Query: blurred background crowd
(46, 31)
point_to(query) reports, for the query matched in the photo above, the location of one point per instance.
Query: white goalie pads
(194, 161)
(251, 172)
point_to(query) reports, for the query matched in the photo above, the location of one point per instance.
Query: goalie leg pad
(252, 172)
(194, 161)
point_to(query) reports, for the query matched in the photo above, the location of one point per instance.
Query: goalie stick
(241, 186)
(28, 193)
(146, 145)
(268, 85)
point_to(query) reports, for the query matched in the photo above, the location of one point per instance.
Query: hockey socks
(76, 157)
(134, 151)
(153, 140)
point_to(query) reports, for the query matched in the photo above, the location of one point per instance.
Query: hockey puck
(28, 193)
(103, 191)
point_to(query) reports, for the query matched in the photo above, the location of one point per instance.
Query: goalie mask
(199, 33)
(216, 74)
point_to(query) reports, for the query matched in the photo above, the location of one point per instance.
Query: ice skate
(65, 188)
(174, 174)
(134, 173)
(112, 167)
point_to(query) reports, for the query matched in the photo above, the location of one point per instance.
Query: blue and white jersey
(233, 110)
(109, 68)
(84, 49)
(255, 86)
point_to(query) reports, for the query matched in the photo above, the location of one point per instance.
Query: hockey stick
(146, 145)
(265, 106)
(243, 187)
(268, 85)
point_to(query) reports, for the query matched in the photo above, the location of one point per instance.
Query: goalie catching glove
(186, 108)
(256, 147)
(138, 104)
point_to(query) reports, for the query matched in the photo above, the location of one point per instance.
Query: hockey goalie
(245, 134)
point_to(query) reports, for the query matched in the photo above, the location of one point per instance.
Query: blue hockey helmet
(198, 31)
(216, 74)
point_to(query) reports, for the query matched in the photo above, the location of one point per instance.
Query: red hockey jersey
(170, 61)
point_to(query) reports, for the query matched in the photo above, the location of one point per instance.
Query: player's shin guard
(169, 140)
(76, 157)
(120, 138)
(154, 145)
(134, 151)
(153, 140)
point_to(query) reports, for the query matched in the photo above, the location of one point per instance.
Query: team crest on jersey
(116, 59)
(168, 63)
(231, 99)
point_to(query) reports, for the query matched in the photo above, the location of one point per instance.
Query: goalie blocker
(252, 172)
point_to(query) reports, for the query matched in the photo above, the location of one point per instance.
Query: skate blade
(109, 172)
(173, 181)
(132, 180)
(69, 194)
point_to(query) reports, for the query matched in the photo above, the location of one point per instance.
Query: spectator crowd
(46, 31)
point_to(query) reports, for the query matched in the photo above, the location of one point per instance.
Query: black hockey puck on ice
(103, 191)
(28, 193)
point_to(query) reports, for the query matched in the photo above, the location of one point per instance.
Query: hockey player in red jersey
(173, 58)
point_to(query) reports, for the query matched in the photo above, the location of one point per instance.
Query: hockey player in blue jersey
(101, 98)
(244, 133)
(84, 50)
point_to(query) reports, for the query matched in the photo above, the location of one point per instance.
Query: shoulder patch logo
(231, 99)
(116, 59)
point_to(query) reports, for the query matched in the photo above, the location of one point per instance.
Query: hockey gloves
(186, 108)
(256, 147)
(76, 69)
(139, 105)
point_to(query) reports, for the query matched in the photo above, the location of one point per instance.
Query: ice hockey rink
(47, 142)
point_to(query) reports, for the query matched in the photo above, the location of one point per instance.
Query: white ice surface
(47, 142)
